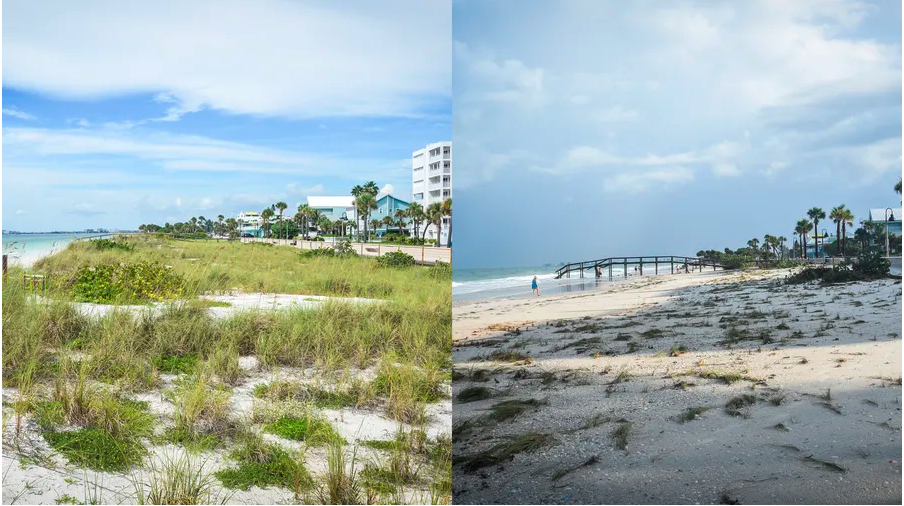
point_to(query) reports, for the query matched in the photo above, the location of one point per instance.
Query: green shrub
(140, 281)
(318, 252)
(96, 449)
(107, 244)
(441, 270)
(345, 248)
(312, 430)
(395, 259)
(734, 262)
(176, 364)
(261, 465)
(872, 264)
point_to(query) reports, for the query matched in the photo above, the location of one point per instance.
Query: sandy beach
(695, 388)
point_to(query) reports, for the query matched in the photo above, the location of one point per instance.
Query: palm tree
(232, 227)
(847, 218)
(781, 240)
(415, 211)
(862, 236)
(803, 228)
(400, 216)
(446, 209)
(324, 224)
(816, 214)
(767, 244)
(314, 216)
(753, 245)
(374, 225)
(357, 190)
(302, 216)
(836, 215)
(388, 221)
(364, 204)
(220, 224)
(434, 214)
(281, 206)
(371, 188)
(266, 214)
(898, 187)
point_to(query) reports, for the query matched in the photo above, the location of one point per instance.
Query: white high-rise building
(431, 181)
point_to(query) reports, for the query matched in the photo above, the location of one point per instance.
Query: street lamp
(824, 234)
(887, 209)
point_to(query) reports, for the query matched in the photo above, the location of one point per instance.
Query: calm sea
(478, 284)
(25, 249)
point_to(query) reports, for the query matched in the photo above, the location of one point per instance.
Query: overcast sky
(587, 129)
(122, 113)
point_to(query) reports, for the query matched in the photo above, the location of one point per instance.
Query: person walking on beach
(535, 288)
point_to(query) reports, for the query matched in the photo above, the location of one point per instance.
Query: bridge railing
(640, 261)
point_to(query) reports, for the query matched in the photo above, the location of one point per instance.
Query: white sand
(850, 339)
(33, 473)
(238, 302)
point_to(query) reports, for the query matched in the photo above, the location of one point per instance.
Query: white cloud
(722, 156)
(294, 190)
(187, 152)
(618, 114)
(271, 58)
(21, 211)
(642, 181)
(16, 113)
(387, 189)
(726, 170)
(723, 88)
(508, 81)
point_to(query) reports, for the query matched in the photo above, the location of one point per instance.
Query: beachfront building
(431, 181)
(335, 208)
(250, 224)
(387, 205)
(894, 218)
(824, 240)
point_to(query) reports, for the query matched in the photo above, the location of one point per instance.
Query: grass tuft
(692, 413)
(504, 451)
(740, 405)
(621, 434)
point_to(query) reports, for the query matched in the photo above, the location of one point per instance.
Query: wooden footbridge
(687, 264)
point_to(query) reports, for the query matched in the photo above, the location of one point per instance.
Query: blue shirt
(533, 283)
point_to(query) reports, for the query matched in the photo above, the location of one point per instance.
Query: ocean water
(480, 284)
(25, 249)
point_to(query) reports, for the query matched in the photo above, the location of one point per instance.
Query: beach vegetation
(472, 394)
(262, 464)
(740, 405)
(395, 259)
(692, 413)
(621, 435)
(177, 478)
(504, 451)
(77, 372)
(507, 410)
(311, 429)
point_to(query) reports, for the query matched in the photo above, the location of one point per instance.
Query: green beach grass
(56, 356)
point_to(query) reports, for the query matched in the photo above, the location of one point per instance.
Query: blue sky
(585, 129)
(118, 114)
